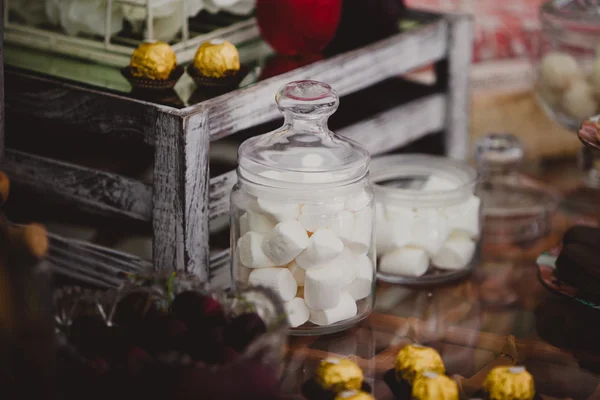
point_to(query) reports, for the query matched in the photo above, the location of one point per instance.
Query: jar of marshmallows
(428, 218)
(302, 215)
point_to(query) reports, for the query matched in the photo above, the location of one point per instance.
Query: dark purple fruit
(99, 365)
(86, 332)
(137, 360)
(243, 329)
(206, 345)
(197, 310)
(133, 308)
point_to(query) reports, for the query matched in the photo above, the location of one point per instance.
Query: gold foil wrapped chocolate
(413, 360)
(509, 383)
(339, 374)
(354, 395)
(433, 386)
(153, 60)
(217, 59)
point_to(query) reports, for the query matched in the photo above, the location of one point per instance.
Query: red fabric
(503, 29)
(296, 27)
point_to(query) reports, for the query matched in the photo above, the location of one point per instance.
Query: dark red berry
(133, 308)
(137, 360)
(99, 365)
(197, 310)
(243, 329)
(176, 329)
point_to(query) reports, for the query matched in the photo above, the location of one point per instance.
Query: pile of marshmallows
(564, 86)
(315, 256)
(410, 239)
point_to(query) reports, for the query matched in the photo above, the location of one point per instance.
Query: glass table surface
(500, 315)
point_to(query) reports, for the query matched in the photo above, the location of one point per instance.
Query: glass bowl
(567, 78)
(139, 371)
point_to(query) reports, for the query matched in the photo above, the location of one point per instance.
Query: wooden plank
(91, 110)
(347, 73)
(181, 184)
(399, 126)
(453, 76)
(110, 194)
(220, 188)
(1, 80)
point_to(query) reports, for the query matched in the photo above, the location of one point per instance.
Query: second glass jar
(302, 215)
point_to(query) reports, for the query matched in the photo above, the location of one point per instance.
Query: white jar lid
(419, 180)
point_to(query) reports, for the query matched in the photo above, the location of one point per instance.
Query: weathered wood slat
(181, 184)
(220, 188)
(399, 126)
(96, 190)
(346, 72)
(90, 110)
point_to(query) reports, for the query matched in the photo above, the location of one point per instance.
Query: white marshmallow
(318, 216)
(456, 253)
(243, 273)
(558, 70)
(362, 235)
(278, 210)
(408, 261)
(278, 279)
(297, 311)
(361, 286)
(578, 100)
(392, 233)
(347, 263)
(437, 183)
(343, 226)
(358, 202)
(465, 217)
(285, 241)
(244, 227)
(297, 272)
(260, 223)
(323, 246)
(251, 252)
(429, 230)
(322, 287)
(345, 309)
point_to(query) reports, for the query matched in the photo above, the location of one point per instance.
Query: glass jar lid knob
(308, 99)
(498, 150)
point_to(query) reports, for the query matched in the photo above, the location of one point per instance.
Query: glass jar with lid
(302, 215)
(428, 218)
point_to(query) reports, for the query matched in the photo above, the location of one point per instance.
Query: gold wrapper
(413, 360)
(432, 386)
(509, 383)
(153, 60)
(354, 395)
(217, 59)
(339, 374)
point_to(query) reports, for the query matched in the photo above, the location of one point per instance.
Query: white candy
(465, 217)
(278, 279)
(251, 252)
(361, 286)
(322, 287)
(558, 70)
(549, 96)
(323, 246)
(429, 230)
(343, 226)
(362, 235)
(260, 223)
(578, 100)
(456, 253)
(297, 311)
(348, 264)
(345, 309)
(244, 227)
(297, 272)
(437, 183)
(408, 261)
(285, 241)
(318, 216)
(278, 210)
(393, 228)
(358, 202)
(243, 273)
